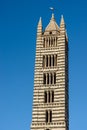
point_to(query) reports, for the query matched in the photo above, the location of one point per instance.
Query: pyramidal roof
(52, 24)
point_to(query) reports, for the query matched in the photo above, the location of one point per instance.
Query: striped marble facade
(50, 95)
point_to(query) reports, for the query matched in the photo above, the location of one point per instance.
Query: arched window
(48, 96)
(49, 78)
(49, 60)
(48, 116)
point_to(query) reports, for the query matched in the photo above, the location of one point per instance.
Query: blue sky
(18, 23)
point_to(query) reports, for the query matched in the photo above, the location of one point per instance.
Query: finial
(39, 26)
(52, 9)
(40, 21)
(62, 20)
(62, 16)
(52, 16)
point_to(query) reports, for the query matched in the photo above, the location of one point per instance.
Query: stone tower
(50, 96)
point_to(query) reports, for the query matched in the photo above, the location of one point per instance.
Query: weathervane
(52, 9)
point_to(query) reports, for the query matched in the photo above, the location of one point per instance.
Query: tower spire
(40, 22)
(62, 23)
(39, 27)
(52, 18)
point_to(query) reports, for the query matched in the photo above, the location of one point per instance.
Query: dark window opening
(47, 78)
(47, 42)
(56, 60)
(47, 129)
(50, 60)
(44, 79)
(53, 60)
(52, 96)
(54, 78)
(49, 96)
(45, 97)
(46, 116)
(46, 61)
(50, 32)
(51, 78)
(50, 116)
(44, 43)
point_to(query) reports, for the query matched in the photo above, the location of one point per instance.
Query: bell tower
(50, 95)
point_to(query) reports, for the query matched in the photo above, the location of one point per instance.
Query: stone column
(50, 96)
(48, 60)
(49, 78)
(45, 61)
(53, 77)
(51, 60)
(55, 60)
